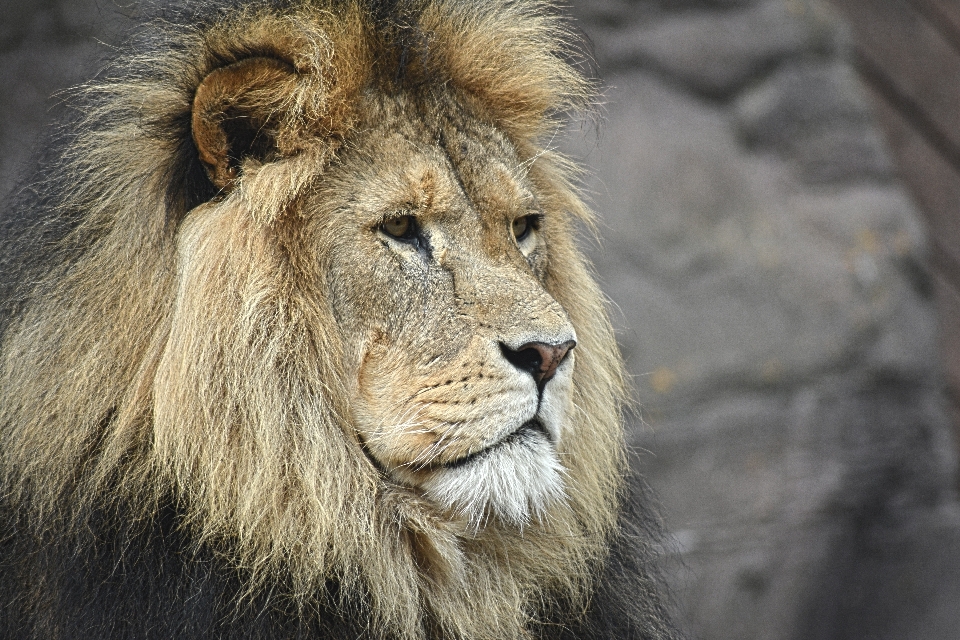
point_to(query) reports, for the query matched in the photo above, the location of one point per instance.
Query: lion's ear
(238, 111)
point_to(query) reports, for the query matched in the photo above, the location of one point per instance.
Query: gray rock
(46, 47)
(614, 13)
(906, 585)
(716, 53)
(775, 497)
(815, 113)
(617, 13)
(32, 78)
(842, 153)
(728, 274)
(781, 337)
(800, 99)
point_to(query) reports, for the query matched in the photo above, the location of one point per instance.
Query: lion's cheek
(414, 418)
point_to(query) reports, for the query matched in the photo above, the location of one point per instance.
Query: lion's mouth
(527, 431)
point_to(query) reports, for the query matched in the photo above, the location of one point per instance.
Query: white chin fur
(516, 482)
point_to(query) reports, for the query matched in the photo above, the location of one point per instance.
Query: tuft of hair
(247, 440)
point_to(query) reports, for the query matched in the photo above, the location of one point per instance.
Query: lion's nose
(539, 359)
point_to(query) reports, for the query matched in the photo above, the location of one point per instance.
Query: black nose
(539, 359)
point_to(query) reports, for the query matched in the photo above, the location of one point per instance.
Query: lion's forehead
(438, 167)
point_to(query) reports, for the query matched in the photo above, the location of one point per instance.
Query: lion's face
(460, 361)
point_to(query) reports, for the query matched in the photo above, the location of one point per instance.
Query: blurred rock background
(773, 298)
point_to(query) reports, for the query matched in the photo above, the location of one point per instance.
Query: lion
(301, 343)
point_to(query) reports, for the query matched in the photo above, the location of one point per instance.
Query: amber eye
(401, 227)
(522, 227)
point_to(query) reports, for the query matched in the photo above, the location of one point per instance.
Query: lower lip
(531, 426)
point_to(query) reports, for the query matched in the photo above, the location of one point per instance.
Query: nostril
(539, 359)
(525, 358)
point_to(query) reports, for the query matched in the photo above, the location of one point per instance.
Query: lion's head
(325, 293)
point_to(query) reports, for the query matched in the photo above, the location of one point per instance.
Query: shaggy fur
(233, 404)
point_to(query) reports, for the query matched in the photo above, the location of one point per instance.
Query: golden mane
(130, 379)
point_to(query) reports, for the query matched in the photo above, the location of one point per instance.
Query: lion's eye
(401, 228)
(524, 225)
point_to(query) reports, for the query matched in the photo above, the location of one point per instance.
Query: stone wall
(45, 47)
(775, 311)
(771, 296)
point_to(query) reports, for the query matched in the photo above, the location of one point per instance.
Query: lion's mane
(241, 467)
